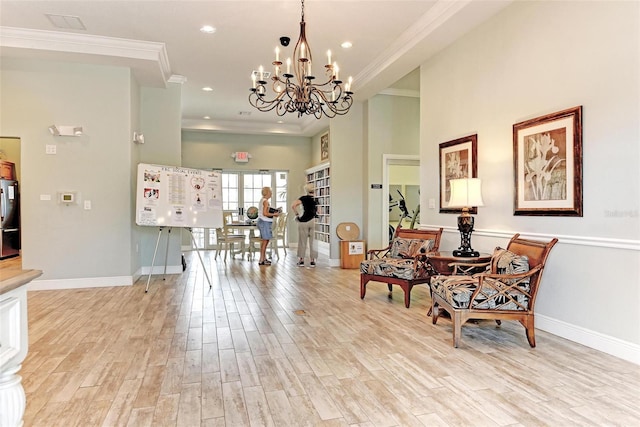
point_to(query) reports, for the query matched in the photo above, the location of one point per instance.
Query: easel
(153, 261)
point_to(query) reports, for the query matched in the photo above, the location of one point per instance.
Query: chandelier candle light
(465, 193)
(297, 92)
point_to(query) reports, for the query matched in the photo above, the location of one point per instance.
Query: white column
(12, 398)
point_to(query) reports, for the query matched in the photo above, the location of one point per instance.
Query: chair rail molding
(603, 242)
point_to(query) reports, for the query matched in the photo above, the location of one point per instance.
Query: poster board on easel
(173, 196)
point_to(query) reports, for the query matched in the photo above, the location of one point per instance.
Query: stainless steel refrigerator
(9, 218)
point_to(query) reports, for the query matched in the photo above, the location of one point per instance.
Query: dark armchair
(403, 263)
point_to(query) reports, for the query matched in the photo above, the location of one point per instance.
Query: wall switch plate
(432, 203)
(87, 205)
(45, 197)
(50, 149)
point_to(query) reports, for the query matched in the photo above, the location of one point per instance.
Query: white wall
(69, 242)
(160, 122)
(347, 179)
(392, 127)
(532, 59)
(212, 150)
(134, 149)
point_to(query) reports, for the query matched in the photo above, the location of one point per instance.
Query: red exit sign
(242, 156)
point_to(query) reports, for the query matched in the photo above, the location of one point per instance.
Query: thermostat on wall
(67, 197)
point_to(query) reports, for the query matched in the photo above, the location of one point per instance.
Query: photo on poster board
(173, 196)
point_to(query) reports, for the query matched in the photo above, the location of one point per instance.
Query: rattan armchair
(506, 292)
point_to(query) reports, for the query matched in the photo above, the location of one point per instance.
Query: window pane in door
(252, 191)
(280, 199)
(229, 191)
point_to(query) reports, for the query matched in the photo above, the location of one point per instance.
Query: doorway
(10, 247)
(400, 184)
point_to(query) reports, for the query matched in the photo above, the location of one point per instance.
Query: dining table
(249, 229)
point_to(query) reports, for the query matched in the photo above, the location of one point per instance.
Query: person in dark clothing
(306, 225)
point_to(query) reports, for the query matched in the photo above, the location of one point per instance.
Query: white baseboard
(92, 282)
(607, 344)
(159, 269)
(100, 282)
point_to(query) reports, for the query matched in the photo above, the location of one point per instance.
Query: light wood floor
(290, 346)
(13, 262)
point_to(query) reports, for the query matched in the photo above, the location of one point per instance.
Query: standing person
(306, 225)
(265, 224)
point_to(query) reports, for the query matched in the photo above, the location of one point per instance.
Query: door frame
(387, 161)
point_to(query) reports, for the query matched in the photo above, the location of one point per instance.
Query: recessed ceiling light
(206, 117)
(207, 89)
(280, 122)
(244, 113)
(208, 29)
(346, 45)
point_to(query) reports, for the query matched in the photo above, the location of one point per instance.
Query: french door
(241, 190)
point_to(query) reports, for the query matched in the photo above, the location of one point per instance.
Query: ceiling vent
(66, 22)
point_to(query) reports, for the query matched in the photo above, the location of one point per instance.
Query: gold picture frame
(458, 159)
(547, 160)
(324, 147)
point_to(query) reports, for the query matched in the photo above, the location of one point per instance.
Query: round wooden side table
(440, 260)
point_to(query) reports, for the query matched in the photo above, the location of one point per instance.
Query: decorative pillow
(409, 248)
(507, 262)
(399, 245)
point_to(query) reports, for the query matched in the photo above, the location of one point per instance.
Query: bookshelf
(320, 177)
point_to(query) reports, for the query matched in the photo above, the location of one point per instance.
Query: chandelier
(298, 92)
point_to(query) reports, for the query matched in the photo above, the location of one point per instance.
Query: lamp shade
(465, 192)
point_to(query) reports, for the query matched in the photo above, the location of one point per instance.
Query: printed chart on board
(173, 196)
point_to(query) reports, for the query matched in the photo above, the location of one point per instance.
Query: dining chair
(227, 241)
(279, 239)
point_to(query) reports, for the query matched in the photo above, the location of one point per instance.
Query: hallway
(290, 346)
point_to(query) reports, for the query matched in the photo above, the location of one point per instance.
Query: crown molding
(401, 92)
(177, 78)
(414, 35)
(148, 60)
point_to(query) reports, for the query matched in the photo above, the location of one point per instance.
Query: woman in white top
(265, 223)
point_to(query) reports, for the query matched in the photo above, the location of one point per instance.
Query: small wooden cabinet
(7, 170)
(352, 253)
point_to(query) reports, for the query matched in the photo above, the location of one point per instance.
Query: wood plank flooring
(291, 346)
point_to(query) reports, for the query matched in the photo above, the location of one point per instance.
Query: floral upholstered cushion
(507, 262)
(402, 268)
(409, 248)
(503, 294)
(456, 290)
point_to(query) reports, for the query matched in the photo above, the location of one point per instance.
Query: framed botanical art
(547, 159)
(324, 147)
(458, 159)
